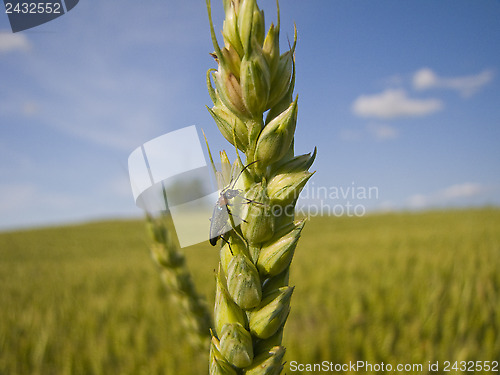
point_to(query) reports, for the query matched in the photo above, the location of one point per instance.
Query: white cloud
(30, 108)
(447, 195)
(393, 103)
(461, 191)
(386, 206)
(379, 132)
(350, 135)
(419, 201)
(13, 42)
(119, 186)
(467, 86)
(15, 197)
(424, 79)
(26, 204)
(382, 132)
(396, 80)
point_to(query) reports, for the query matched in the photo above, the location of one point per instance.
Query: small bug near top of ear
(219, 223)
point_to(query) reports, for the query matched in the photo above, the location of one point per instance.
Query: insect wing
(218, 223)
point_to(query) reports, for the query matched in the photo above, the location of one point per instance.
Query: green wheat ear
(252, 295)
(193, 312)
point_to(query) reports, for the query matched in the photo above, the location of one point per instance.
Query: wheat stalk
(193, 311)
(252, 294)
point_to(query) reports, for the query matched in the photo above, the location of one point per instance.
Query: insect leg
(226, 241)
(251, 201)
(231, 214)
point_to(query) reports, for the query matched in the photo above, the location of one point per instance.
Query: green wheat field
(395, 288)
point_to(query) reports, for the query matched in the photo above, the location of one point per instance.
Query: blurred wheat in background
(397, 288)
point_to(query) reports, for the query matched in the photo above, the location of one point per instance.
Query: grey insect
(219, 223)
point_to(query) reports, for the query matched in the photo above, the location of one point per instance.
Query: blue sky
(401, 96)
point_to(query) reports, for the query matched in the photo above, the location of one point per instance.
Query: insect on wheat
(220, 223)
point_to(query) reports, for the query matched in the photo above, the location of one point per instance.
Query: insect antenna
(241, 172)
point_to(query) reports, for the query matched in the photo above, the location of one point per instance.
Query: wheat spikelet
(253, 296)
